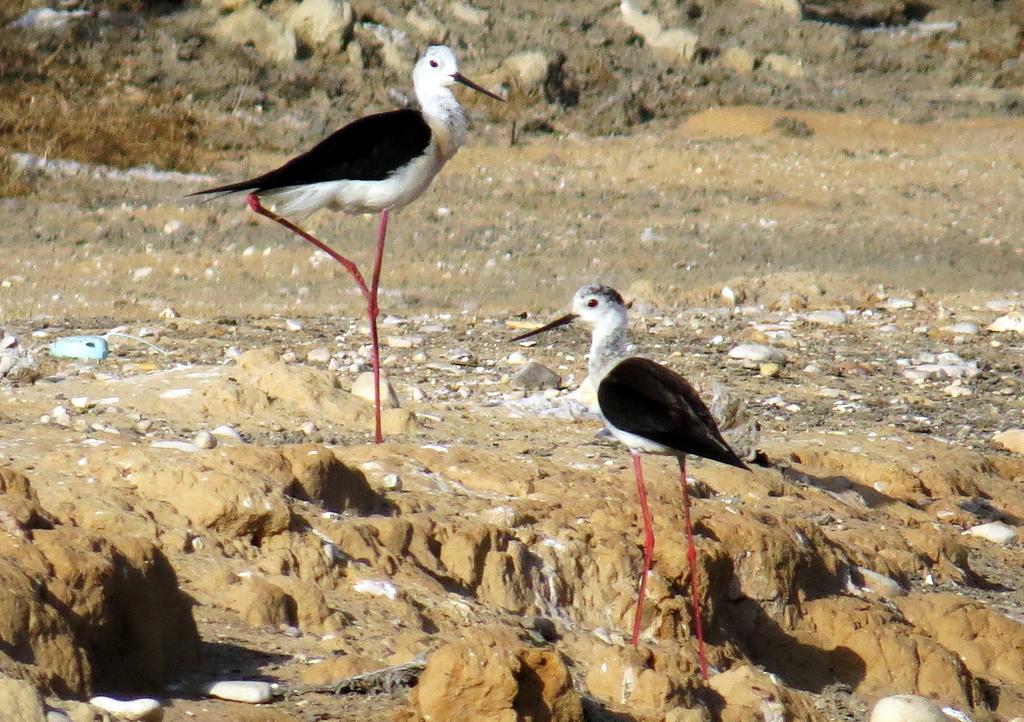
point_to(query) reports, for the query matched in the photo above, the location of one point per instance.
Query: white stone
(391, 482)
(241, 691)
(963, 328)
(227, 432)
(308, 428)
(363, 388)
(403, 341)
(376, 588)
(204, 440)
(994, 531)
(1013, 321)
(757, 352)
(907, 708)
(144, 708)
(880, 584)
(80, 402)
(517, 358)
(293, 325)
(169, 314)
(319, 355)
(827, 318)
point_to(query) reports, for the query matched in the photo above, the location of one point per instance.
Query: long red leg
(257, 207)
(374, 310)
(691, 556)
(369, 292)
(645, 512)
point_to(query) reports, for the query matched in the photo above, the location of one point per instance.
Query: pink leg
(369, 293)
(374, 310)
(257, 207)
(691, 556)
(648, 544)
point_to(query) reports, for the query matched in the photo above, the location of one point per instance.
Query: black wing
(649, 400)
(368, 149)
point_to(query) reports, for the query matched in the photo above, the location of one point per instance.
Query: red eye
(433, 63)
(592, 303)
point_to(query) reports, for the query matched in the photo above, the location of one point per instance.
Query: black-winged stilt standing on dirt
(376, 164)
(651, 409)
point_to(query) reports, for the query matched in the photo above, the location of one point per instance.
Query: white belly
(638, 443)
(354, 196)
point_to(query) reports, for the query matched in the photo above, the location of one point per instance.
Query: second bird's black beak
(460, 78)
(564, 320)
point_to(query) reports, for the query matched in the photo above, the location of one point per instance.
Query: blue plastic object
(91, 348)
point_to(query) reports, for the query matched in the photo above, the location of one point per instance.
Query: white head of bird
(435, 72)
(601, 308)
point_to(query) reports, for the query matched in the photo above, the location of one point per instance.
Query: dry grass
(52, 105)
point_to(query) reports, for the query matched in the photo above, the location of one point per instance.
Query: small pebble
(391, 482)
(769, 370)
(293, 325)
(536, 377)
(308, 428)
(827, 318)
(144, 426)
(204, 440)
(403, 341)
(757, 352)
(964, 328)
(319, 355)
(168, 314)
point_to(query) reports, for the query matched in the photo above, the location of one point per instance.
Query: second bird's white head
(599, 305)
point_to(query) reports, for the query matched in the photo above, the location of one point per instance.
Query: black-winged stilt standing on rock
(649, 408)
(376, 164)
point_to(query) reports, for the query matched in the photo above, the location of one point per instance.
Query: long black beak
(460, 78)
(564, 320)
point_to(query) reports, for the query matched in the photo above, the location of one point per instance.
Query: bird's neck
(608, 346)
(446, 117)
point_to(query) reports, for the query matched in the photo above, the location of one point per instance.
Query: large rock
(321, 23)
(990, 644)
(251, 26)
(78, 609)
(494, 677)
(20, 701)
